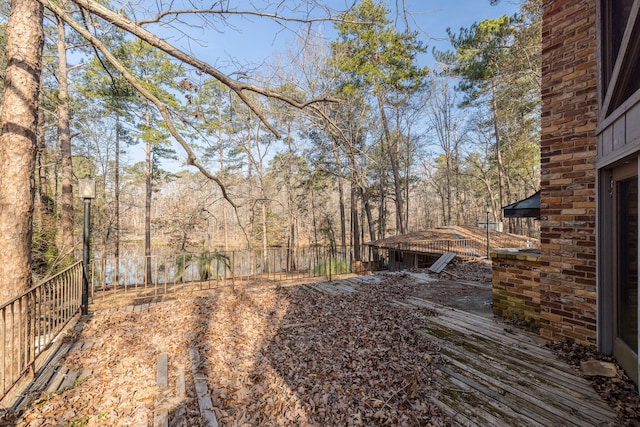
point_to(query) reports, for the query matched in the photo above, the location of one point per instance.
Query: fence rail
(30, 322)
(161, 274)
(464, 248)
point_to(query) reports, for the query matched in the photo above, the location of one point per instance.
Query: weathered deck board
(162, 372)
(42, 381)
(506, 373)
(202, 390)
(497, 344)
(161, 414)
(331, 288)
(501, 376)
(456, 416)
(442, 262)
(45, 368)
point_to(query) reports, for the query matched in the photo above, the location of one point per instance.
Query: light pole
(488, 236)
(86, 190)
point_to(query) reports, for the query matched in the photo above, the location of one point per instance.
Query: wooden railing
(30, 322)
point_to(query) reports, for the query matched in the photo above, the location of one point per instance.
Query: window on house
(625, 81)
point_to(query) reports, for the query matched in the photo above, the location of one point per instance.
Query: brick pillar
(516, 285)
(568, 175)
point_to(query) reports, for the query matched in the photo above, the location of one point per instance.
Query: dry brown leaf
(350, 359)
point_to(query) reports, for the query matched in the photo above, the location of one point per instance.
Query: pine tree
(377, 59)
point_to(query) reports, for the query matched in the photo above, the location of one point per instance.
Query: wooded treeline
(332, 143)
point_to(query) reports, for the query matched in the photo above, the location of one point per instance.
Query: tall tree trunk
(265, 258)
(341, 207)
(66, 200)
(343, 216)
(447, 218)
(392, 151)
(355, 229)
(18, 130)
(44, 222)
(46, 201)
(494, 108)
(315, 228)
(444, 211)
(250, 191)
(225, 219)
(147, 207)
(382, 210)
(116, 201)
(406, 194)
(366, 203)
(461, 218)
(225, 226)
(291, 253)
(291, 210)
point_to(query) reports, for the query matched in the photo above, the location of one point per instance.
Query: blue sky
(435, 16)
(253, 40)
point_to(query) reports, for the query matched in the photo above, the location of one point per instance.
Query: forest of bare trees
(333, 142)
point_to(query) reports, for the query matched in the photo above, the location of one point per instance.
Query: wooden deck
(498, 375)
(492, 374)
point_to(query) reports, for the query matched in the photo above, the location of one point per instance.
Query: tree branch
(273, 16)
(162, 108)
(236, 86)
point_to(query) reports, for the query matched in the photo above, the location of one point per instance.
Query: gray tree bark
(66, 201)
(147, 206)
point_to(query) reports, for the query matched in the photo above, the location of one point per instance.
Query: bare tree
(447, 126)
(18, 120)
(64, 135)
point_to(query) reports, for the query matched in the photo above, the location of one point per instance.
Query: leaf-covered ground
(277, 357)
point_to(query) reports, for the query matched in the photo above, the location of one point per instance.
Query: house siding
(568, 173)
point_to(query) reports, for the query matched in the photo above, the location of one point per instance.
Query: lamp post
(86, 190)
(488, 236)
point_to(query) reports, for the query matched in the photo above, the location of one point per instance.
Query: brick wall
(568, 154)
(516, 285)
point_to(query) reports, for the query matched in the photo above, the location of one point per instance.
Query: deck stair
(442, 262)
